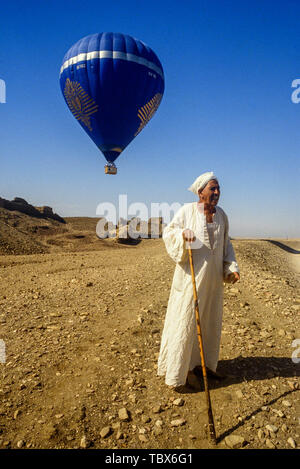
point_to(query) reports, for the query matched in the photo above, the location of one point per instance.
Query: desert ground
(81, 322)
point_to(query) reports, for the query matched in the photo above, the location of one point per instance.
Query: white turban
(201, 182)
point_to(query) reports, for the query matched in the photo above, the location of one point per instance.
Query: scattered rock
(286, 403)
(272, 428)
(292, 442)
(20, 443)
(16, 413)
(124, 414)
(270, 444)
(146, 419)
(105, 432)
(157, 431)
(157, 409)
(178, 422)
(235, 441)
(279, 413)
(178, 402)
(293, 385)
(142, 431)
(84, 443)
(261, 434)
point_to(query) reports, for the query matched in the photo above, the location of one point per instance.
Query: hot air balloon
(113, 85)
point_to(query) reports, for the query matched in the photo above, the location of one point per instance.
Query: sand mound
(21, 233)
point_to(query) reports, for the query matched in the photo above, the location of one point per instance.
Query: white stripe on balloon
(109, 54)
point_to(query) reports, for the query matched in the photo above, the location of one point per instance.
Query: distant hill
(26, 229)
(21, 205)
(21, 233)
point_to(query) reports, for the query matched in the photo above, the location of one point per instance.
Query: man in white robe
(204, 227)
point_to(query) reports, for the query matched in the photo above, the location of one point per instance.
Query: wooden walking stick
(211, 425)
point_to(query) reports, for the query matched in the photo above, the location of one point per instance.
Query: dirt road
(82, 331)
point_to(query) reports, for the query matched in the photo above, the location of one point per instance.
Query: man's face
(210, 194)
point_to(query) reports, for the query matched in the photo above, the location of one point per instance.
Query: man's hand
(188, 235)
(233, 277)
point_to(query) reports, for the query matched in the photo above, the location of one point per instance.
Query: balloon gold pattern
(146, 112)
(79, 102)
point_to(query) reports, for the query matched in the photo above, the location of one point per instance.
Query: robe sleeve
(172, 236)
(229, 261)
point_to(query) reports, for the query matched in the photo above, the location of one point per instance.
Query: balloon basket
(110, 169)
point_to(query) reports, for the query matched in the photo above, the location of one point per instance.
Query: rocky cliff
(21, 205)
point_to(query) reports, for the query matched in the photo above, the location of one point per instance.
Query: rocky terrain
(24, 233)
(80, 329)
(25, 229)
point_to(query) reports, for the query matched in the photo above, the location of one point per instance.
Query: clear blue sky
(227, 107)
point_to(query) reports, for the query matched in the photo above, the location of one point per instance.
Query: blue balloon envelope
(113, 85)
